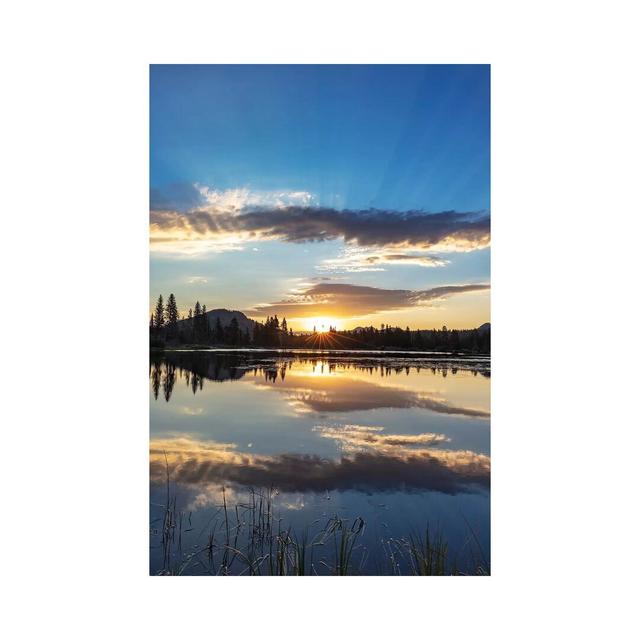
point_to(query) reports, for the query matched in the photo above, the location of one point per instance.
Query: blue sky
(283, 144)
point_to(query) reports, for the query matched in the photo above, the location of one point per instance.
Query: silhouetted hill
(225, 317)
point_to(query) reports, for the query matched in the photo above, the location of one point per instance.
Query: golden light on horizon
(321, 324)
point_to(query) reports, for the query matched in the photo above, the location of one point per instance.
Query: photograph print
(319, 320)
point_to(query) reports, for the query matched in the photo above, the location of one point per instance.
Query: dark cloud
(365, 228)
(332, 299)
(408, 258)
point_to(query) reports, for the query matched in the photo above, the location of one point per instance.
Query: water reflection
(390, 467)
(335, 394)
(398, 442)
(319, 391)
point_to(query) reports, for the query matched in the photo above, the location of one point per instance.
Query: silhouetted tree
(171, 315)
(158, 321)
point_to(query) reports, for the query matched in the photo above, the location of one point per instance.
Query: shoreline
(301, 351)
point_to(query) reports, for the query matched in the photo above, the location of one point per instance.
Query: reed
(248, 538)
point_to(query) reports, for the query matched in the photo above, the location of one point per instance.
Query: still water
(267, 463)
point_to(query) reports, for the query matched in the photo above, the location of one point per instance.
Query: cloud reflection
(325, 394)
(198, 463)
(353, 438)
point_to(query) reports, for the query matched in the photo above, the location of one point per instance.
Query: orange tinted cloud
(329, 299)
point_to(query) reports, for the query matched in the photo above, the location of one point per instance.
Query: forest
(167, 329)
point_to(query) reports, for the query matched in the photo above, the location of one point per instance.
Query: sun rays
(323, 340)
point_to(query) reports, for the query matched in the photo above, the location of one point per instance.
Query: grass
(247, 538)
(428, 554)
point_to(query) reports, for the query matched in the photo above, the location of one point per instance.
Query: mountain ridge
(225, 316)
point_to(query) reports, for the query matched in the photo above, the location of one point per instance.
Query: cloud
(201, 214)
(199, 463)
(183, 197)
(358, 259)
(243, 198)
(338, 300)
(197, 280)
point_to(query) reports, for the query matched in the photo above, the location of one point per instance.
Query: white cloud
(357, 259)
(244, 198)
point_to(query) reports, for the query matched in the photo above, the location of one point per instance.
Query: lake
(326, 463)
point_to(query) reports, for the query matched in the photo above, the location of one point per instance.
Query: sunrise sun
(321, 324)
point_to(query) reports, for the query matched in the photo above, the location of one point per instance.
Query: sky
(350, 195)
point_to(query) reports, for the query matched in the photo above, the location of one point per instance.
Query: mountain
(225, 319)
(483, 328)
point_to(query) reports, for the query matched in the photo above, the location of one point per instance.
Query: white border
(74, 258)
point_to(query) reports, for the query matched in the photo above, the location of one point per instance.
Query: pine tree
(171, 314)
(159, 315)
(172, 310)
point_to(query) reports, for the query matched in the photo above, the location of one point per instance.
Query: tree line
(167, 328)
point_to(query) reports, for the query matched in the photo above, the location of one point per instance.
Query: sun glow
(321, 324)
